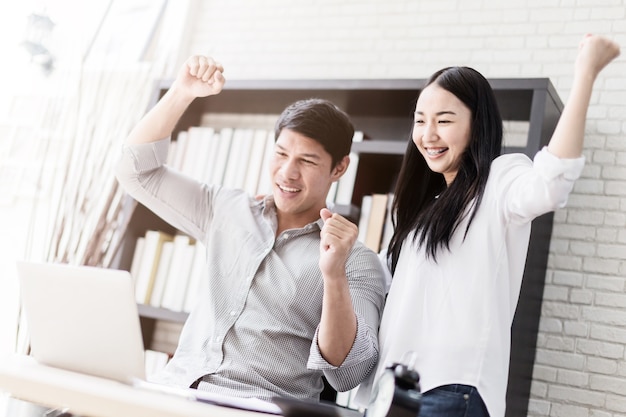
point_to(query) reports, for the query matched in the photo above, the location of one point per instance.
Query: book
(348, 399)
(376, 222)
(255, 164)
(332, 192)
(364, 217)
(265, 181)
(221, 156)
(178, 274)
(237, 162)
(155, 361)
(193, 145)
(136, 261)
(165, 336)
(388, 227)
(181, 150)
(209, 159)
(153, 242)
(345, 184)
(243, 162)
(163, 270)
(200, 137)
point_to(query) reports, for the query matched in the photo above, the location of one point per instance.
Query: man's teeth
(289, 190)
(435, 151)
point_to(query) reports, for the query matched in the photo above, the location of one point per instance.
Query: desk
(23, 378)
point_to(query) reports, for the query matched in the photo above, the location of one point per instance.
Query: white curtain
(59, 200)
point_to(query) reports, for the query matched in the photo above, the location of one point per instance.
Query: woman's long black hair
(416, 206)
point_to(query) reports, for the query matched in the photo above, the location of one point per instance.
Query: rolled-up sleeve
(176, 198)
(552, 167)
(367, 288)
(532, 188)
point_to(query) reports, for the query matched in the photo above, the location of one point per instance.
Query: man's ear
(340, 168)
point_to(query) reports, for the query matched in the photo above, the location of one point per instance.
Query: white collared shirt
(253, 332)
(456, 314)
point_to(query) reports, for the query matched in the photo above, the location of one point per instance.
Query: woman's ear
(340, 168)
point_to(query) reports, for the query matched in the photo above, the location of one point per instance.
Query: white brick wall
(581, 362)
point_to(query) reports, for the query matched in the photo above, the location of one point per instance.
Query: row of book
(232, 157)
(167, 270)
(238, 157)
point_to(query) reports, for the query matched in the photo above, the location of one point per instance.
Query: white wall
(581, 358)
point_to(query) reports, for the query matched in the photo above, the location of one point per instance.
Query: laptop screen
(83, 319)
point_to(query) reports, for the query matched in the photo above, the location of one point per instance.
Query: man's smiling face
(302, 173)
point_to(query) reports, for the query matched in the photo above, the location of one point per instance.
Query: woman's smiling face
(442, 130)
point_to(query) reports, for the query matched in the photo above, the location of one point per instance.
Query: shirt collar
(267, 205)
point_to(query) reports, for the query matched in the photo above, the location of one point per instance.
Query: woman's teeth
(436, 151)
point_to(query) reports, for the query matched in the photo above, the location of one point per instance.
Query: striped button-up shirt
(253, 332)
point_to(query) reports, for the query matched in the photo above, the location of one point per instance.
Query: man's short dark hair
(320, 120)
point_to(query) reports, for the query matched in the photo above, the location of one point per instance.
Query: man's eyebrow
(304, 155)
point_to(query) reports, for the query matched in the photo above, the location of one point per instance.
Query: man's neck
(288, 221)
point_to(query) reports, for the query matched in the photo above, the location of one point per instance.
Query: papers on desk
(252, 404)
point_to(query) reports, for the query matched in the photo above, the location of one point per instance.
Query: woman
(463, 217)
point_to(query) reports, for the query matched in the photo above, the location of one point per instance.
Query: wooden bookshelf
(383, 110)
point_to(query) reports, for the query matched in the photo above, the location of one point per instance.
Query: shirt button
(233, 312)
(286, 236)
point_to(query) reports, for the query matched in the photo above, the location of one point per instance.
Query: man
(291, 295)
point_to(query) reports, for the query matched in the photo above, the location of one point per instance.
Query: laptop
(85, 319)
